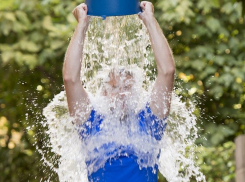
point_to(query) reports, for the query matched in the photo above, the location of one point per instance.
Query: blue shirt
(124, 167)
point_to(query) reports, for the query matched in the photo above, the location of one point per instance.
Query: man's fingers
(80, 12)
(75, 15)
(145, 4)
(83, 6)
(142, 4)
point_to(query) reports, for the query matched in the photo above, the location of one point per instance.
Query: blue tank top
(124, 168)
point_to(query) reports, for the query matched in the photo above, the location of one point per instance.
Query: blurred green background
(207, 38)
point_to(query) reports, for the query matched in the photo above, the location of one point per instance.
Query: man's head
(118, 89)
(118, 84)
(121, 89)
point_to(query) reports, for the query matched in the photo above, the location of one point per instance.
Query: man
(116, 89)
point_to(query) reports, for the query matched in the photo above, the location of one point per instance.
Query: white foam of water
(121, 42)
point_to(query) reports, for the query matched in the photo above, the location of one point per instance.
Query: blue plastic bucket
(106, 8)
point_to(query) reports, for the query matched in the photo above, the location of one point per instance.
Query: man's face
(119, 85)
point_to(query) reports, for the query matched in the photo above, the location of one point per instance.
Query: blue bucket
(106, 8)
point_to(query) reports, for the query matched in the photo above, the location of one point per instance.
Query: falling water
(120, 43)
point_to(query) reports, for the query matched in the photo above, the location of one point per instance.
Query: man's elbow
(168, 71)
(68, 78)
(70, 73)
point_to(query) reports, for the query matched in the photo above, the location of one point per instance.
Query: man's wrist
(149, 21)
(82, 25)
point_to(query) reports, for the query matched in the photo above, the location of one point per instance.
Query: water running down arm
(77, 98)
(161, 94)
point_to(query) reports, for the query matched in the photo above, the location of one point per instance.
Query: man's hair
(114, 72)
(121, 71)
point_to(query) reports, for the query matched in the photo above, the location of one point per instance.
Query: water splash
(120, 43)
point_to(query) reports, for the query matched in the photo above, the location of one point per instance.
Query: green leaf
(238, 88)
(213, 24)
(239, 8)
(29, 46)
(5, 47)
(25, 59)
(7, 56)
(6, 28)
(222, 47)
(18, 57)
(237, 72)
(204, 5)
(217, 138)
(227, 8)
(56, 44)
(226, 79)
(217, 91)
(19, 27)
(22, 17)
(45, 55)
(30, 60)
(37, 36)
(223, 30)
(219, 60)
(10, 16)
(209, 70)
(226, 131)
(70, 18)
(202, 30)
(234, 43)
(47, 23)
(6, 4)
(202, 50)
(216, 3)
(198, 65)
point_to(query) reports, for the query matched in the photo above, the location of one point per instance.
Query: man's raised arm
(77, 98)
(162, 90)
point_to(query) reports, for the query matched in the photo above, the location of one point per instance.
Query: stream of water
(120, 44)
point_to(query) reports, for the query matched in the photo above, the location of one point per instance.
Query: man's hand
(80, 13)
(148, 12)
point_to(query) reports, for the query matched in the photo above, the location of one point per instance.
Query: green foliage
(210, 61)
(217, 163)
(33, 38)
(206, 38)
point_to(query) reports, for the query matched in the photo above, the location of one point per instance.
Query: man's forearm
(161, 49)
(74, 54)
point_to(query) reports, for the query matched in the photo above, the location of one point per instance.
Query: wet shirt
(124, 165)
